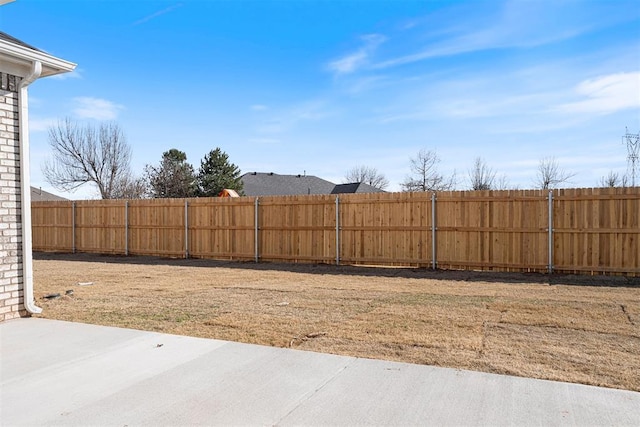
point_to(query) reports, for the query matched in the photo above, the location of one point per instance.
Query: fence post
(337, 230)
(256, 241)
(126, 228)
(550, 232)
(186, 229)
(73, 227)
(434, 262)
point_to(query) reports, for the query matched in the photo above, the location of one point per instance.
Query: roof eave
(22, 58)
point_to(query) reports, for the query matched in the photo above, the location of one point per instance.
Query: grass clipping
(576, 329)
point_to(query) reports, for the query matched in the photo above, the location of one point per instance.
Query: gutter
(26, 56)
(25, 186)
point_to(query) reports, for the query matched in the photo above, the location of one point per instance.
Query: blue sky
(295, 86)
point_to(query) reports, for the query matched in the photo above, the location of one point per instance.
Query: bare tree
(424, 174)
(86, 154)
(131, 187)
(368, 175)
(550, 175)
(481, 176)
(614, 180)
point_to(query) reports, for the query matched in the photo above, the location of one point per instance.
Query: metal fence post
(550, 232)
(337, 230)
(255, 233)
(126, 228)
(434, 262)
(186, 229)
(73, 227)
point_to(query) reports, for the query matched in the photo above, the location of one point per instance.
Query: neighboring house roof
(272, 184)
(39, 195)
(355, 187)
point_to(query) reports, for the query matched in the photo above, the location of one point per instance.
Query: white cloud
(264, 140)
(157, 14)
(259, 107)
(40, 125)
(350, 63)
(96, 108)
(365, 84)
(544, 99)
(606, 94)
(286, 120)
(75, 74)
(514, 24)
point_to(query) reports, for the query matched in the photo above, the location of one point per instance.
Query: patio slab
(63, 373)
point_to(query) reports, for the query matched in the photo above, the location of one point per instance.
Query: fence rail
(594, 231)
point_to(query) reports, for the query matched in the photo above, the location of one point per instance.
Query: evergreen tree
(174, 177)
(216, 173)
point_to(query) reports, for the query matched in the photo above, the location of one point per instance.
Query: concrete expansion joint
(63, 366)
(308, 396)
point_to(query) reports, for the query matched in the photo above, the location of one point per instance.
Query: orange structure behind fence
(571, 230)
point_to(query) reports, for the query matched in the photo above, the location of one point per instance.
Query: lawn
(579, 329)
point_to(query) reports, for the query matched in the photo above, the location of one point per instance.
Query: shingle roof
(23, 56)
(355, 187)
(39, 195)
(6, 37)
(271, 184)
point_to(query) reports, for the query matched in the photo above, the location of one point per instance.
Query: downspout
(25, 187)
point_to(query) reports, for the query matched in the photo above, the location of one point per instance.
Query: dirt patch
(567, 328)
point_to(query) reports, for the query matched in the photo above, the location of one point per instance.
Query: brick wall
(11, 284)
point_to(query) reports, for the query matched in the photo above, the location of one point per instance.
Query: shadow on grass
(356, 270)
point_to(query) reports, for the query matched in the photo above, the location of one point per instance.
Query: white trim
(24, 57)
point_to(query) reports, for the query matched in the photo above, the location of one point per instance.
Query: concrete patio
(62, 373)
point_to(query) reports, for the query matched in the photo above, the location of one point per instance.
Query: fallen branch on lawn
(306, 337)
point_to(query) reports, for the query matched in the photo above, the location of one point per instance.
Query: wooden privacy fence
(571, 230)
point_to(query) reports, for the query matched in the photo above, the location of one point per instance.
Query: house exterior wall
(11, 283)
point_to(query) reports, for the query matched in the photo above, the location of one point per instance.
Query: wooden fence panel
(222, 228)
(52, 226)
(597, 230)
(99, 226)
(496, 230)
(297, 228)
(593, 230)
(386, 229)
(157, 227)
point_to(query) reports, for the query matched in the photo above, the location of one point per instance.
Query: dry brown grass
(576, 329)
